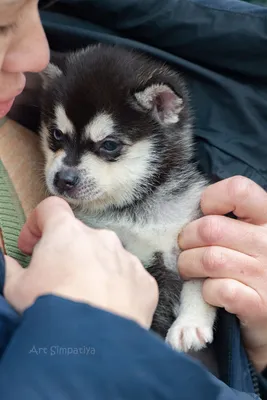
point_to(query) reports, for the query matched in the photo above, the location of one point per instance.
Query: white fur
(62, 121)
(100, 127)
(193, 328)
(116, 182)
(55, 166)
(54, 161)
(156, 231)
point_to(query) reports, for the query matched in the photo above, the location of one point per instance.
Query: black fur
(115, 75)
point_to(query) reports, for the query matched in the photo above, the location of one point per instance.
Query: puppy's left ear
(159, 99)
(55, 68)
(50, 73)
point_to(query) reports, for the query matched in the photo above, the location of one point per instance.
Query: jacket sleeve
(69, 350)
(9, 318)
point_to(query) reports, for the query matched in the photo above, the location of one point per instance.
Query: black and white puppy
(117, 138)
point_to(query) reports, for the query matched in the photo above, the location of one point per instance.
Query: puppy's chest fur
(152, 226)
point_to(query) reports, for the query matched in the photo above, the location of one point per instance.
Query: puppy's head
(112, 121)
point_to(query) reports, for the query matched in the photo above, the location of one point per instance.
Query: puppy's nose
(66, 179)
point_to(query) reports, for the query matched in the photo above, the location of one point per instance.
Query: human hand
(232, 255)
(73, 261)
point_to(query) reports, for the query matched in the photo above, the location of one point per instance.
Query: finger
(220, 262)
(236, 298)
(13, 272)
(243, 197)
(46, 214)
(217, 230)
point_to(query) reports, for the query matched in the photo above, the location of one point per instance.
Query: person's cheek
(4, 45)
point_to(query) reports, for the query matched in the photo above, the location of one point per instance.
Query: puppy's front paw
(186, 336)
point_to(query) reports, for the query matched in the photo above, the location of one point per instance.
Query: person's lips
(5, 105)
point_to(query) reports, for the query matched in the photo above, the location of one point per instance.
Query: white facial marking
(53, 161)
(62, 121)
(120, 180)
(100, 127)
(52, 167)
(44, 136)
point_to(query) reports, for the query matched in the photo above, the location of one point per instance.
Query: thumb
(13, 274)
(47, 213)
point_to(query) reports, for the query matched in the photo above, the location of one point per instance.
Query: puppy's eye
(57, 134)
(110, 146)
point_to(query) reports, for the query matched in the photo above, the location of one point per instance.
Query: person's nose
(29, 51)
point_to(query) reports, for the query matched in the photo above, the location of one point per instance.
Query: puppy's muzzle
(66, 180)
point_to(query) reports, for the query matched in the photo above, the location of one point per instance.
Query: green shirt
(12, 217)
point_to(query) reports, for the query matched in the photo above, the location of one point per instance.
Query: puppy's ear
(50, 73)
(55, 68)
(163, 103)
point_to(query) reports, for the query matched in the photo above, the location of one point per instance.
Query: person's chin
(7, 101)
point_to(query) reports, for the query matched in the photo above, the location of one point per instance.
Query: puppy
(117, 137)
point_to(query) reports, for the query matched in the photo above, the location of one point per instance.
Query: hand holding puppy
(73, 261)
(232, 255)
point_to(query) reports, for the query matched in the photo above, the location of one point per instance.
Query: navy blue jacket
(60, 349)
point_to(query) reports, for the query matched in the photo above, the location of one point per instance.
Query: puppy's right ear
(161, 102)
(49, 74)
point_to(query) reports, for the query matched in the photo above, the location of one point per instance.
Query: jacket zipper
(253, 374)
(254, 379)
